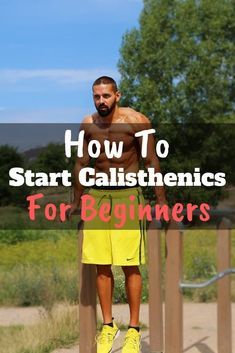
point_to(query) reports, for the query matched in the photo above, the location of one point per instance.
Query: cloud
(53, 115)
(58, 76)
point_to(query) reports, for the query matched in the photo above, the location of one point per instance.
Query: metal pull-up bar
(174, 295)
(173, 292)
(217, 277)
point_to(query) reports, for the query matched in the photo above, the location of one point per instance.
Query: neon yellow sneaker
(132, 341)
(106, 338)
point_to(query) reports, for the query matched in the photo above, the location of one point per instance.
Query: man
(109, 246)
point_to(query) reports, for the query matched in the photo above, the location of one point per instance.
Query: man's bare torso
(122, 128)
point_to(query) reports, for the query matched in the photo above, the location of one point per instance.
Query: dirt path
(20, 316)
(199, 325)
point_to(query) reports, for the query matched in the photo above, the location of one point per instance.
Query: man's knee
(104, 271)
(130, 270)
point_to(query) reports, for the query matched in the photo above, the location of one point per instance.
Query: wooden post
(173, 295)
(224, 319)
(87, 304)
(155, 294)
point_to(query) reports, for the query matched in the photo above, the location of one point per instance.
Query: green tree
(178, 68)
(9, 195)
(179, 65)
(52, 158)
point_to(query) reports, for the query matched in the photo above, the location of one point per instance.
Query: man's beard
(104, 111)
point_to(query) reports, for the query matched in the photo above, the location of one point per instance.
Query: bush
(9, 195)
(45, 271)
(202, 266)
(25, 285)
(204, 295)
(12, 237)
(60, 328)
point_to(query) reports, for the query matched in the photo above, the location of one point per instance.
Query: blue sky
(52, 51)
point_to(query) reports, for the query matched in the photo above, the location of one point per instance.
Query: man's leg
(110, 330)
(105, 284)
(133, 283)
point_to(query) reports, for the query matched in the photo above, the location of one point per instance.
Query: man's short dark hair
(106, 80)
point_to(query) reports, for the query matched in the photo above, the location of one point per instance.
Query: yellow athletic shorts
(120, 238)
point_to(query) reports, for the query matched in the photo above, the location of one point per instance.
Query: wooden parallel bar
(155, 293)
(173, 295)
(87, 304)
(224, 318)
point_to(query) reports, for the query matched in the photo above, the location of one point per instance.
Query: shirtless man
(115, 247)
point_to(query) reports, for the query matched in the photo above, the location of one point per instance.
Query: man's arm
(151, 160)
(78, 188)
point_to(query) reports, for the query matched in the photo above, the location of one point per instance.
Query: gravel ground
(199, 325)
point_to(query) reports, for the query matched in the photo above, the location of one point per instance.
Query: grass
(45, 271)
(34, 285)
(14, 218)
(200, 263)
(10, 330)
(39, 272)
(54, 247)
(58, 329)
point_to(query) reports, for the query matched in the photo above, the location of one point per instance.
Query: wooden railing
(170, 339)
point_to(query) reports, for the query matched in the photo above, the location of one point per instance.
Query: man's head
(105, 95)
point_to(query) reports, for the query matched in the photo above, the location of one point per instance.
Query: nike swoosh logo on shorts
(130, 259)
